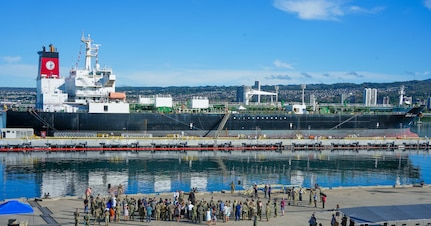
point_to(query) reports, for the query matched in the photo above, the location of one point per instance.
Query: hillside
(418, 90)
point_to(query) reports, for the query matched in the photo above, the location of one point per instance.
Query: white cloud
(11, 59)
(427, 4)
(418, 74)
(19, 75)
(311, 9)
(323, 9)
(281, 64)
(278, 77)
(355, 74)
(357, 9)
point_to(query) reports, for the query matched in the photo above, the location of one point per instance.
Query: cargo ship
(86, 104)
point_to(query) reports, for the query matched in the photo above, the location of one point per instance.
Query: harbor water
(69, 174)
(32, 175)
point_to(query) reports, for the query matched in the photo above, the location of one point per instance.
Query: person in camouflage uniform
(194, 214)
(117, 213)
(259, 208)
(171, 209)
(106, 216)
(163, 211)
(251, 209)
(132, 209)
(87, 220)
(158, 211)
(141, 213)
(93, 205)
(245, 210)
(268, 210)
(76, 215)
(97, 215)
(200, 212)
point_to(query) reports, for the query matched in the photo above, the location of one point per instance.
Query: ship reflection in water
(69, 174)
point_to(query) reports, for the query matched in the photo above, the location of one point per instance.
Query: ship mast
(303, 86)
(89, 51)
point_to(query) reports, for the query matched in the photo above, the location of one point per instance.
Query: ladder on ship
(345, 121)
(222, 124)
(40, 119)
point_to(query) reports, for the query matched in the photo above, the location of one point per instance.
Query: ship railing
(75, 134)
(281, 188)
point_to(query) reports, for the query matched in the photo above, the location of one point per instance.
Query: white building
(199, 103)
(370, 97)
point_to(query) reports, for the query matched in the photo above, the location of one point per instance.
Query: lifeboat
(117, 96)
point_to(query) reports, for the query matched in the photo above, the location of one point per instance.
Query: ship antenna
(96, 53)
(79, 56)
(87, 42)
(303, 86)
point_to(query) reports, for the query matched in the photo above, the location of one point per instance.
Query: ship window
(105, 108)
(234, 118)
(248, 118)
(285, 118)
(275, 118)
(257, 117)
(267, 118)
(243, 118)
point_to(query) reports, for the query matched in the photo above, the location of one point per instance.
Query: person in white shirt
(208, 216)
(190, 210)
(176, 195)
(226, 211)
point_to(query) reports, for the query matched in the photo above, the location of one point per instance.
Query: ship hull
(270, 125)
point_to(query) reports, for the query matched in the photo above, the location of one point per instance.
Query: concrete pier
(60, 210)
(198, 144)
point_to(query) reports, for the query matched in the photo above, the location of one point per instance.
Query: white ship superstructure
(91, 89)
(50, 96)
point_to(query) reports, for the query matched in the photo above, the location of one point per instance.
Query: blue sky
(223, 42)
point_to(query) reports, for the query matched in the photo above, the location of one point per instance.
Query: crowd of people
(120, 207)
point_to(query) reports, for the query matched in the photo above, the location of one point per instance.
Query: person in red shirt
(323, 201)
